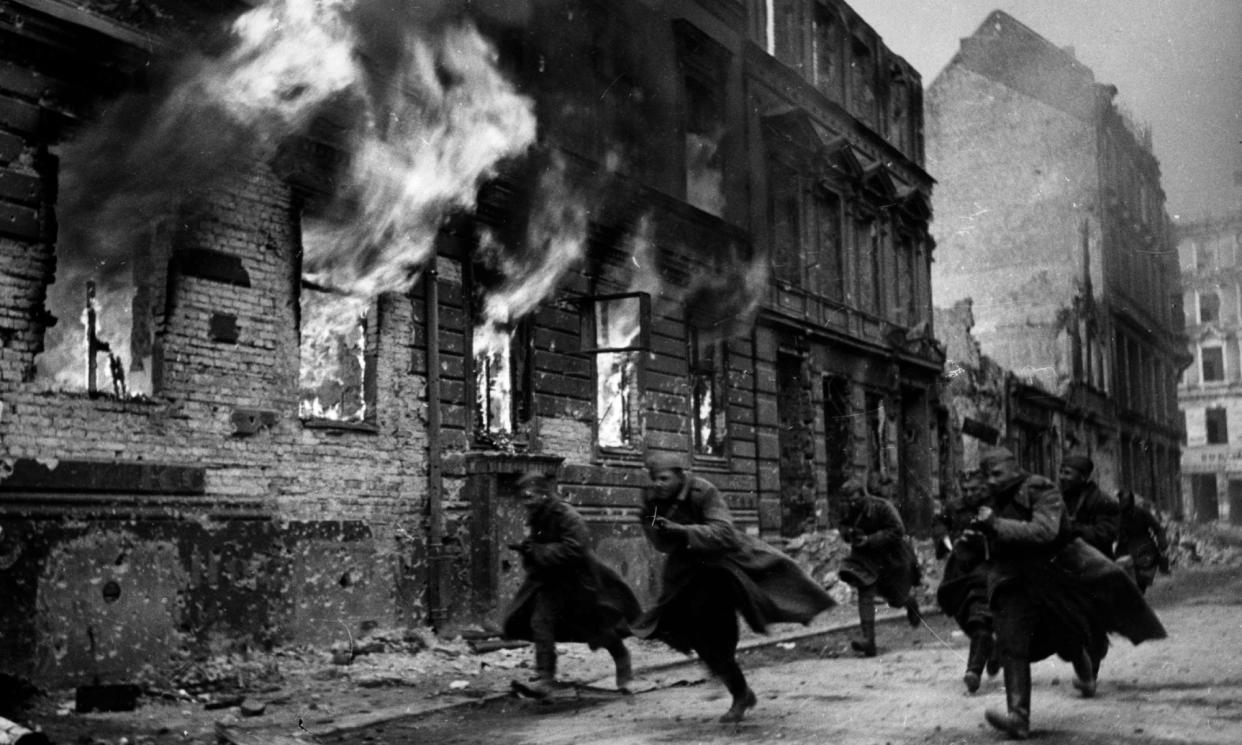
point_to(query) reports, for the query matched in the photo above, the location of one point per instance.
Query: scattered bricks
(253, 708)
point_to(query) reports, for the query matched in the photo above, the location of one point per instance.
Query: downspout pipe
(435, 478)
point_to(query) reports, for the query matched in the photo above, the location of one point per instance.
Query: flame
(63, 365)
(431, 137)
(555, 241)
(333, 356)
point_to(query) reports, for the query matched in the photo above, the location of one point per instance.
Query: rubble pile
(1213, 544)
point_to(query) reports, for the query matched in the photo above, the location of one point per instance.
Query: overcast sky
(1176, 63)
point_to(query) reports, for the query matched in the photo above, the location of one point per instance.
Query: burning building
(295, 290)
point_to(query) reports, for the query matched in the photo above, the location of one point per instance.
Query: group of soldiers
(1031, 571)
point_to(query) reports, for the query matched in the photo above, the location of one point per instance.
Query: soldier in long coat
(963, 590)
(712, 572)
(1142, 544)
(1049, 593)
(1093, 515)
(569, 595)
(881, 561)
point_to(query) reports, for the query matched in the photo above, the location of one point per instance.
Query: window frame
(588, 335)
(368, 383)
(716, 372)
(1223, 425)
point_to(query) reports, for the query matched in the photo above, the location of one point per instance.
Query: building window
(862, 82)
(1209, 307)
(867, 259)
(827, 270)
(1217, 426)
(615, 331)
(826, 50)
(786, 225)
(502, 382)
(703, 63)
(337, 355)
(709, 392)
(1205, 256)
(1213, 364)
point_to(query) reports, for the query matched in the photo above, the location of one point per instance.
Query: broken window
(1213, 364)
(336, 355)
(708, 392)
(786, 224)
(826, 48)
(827, 271)
(1217, 426)
(867, 259)
(703, 65)
(862, 82)
(615, 331)
(502, 385)
(105, 312)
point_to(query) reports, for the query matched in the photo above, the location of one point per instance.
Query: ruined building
(293, 291)
(1051, 219)
(1210, 252)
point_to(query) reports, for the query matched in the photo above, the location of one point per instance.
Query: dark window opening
(786, 225)
(1217, 426)
(1213, 364)
(826, 48)
(1209, 307)
(827, 270)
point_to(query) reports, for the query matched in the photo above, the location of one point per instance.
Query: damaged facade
(1051, 220)
(1210, 252)
(341, 303)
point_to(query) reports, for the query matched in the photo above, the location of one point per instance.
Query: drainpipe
(435, 480)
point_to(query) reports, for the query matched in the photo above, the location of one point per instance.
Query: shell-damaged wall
(285, 532)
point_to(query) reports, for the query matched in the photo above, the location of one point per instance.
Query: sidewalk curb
(268, 735)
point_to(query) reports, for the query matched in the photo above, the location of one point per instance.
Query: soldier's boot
(993, 665)
(1084, 674)
(625, 669)
(976, 659)
(544, 682)
(743, 697)
(913, 615)
(865, 646)
(1016, 722)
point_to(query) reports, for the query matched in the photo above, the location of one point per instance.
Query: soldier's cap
(853, 486)
(664, 461)
(995, 455)
(535, 480)
(1079, 463)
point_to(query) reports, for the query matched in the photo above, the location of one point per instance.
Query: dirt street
(1186, 689)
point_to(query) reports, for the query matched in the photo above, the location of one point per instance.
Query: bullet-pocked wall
(277, 526)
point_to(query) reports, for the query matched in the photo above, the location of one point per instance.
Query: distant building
(1210, 394)
(1050, 217)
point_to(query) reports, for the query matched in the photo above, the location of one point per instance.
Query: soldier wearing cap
(712, 572)
(1093, 515)
(963, 590)
(881, 560)
(569, 595)
(1050, 593)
